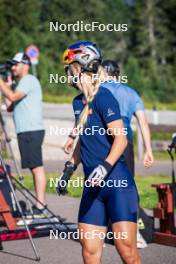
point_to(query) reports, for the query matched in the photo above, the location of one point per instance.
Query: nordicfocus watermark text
(80, 234)
(78, 182)
(89, 27)
(55, 78)
(88, 131)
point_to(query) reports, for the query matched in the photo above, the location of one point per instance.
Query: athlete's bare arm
(120, 141)
(143, 123)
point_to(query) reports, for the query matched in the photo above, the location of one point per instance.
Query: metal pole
(34, 70)
(20, 209)
(8, 140)
(173, 183)
(33, 196)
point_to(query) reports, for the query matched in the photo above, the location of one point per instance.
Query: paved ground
(68, 251)
(58, 122)
(56, 251)
(65, 112)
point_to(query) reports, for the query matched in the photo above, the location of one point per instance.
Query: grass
(161, 155)
(148, 195)
(158, 155)
(58, 99)
(67, 98)
(159, 105)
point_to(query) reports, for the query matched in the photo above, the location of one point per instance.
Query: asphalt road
(65, 112)
(67, 251)
(55, 251)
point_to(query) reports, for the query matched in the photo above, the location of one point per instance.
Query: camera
(5, 71)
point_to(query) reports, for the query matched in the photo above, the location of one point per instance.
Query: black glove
(67, 173)
(99, 173)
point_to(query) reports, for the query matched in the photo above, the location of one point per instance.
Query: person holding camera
(26, 103)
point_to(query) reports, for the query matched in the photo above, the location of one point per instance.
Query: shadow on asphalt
(16, 255)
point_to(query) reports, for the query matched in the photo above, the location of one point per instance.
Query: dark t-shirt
(95, 142)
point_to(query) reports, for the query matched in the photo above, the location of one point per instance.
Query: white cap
(20, 57)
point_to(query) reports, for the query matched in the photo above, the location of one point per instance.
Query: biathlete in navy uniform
(110, 192)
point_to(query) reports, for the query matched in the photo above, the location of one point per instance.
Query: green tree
(19, 25)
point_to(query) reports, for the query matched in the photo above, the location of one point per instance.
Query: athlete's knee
(130, 257)
(129, 253)
(91, 257)
(91, 253)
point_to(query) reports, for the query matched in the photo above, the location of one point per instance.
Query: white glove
(99, 173)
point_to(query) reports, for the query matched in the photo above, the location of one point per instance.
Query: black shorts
(129, 157)
(30, 146)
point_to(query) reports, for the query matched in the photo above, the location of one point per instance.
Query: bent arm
(13, 96)
(9, 105)
(120, 141)
(75, 159)
(73, 134)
